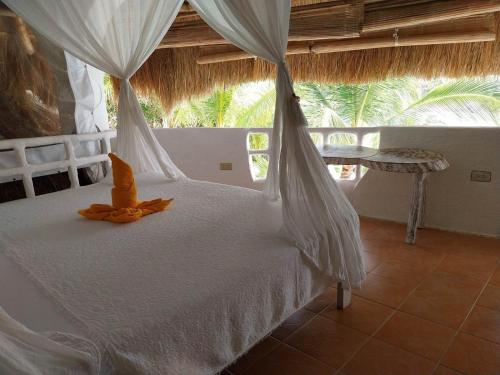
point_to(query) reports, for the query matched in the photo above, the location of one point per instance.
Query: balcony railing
(321, 137)
(26, 170)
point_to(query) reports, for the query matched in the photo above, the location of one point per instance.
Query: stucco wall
(453, 201)
(199, 151)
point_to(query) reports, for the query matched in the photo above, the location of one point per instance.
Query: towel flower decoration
(125, 207)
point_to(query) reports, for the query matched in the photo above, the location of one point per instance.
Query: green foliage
(259, 166)
(111, 104)
(212, 111)
(340, 105)
(153, 111)
(259, 163)
(405, 101)
(472, 100)
(342, 138)
(258, 141)
(258, 114)
(248, 105)
(151, 107)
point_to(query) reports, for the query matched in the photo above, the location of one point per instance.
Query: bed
(185, 291)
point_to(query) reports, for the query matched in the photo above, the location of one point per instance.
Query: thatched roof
(27, 85)
(350, 41)
(173, 74)
(36, 98)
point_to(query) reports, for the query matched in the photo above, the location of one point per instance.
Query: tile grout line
(383, 323)
(318, 314)
(395, 310)
(480, 337)
(458, 330)
(282, 342)
(310, 356)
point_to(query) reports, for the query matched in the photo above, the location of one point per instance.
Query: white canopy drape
(115, 36)
(316, 213)
(23, 351)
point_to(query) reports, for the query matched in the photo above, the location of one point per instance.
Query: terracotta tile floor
(428, 309)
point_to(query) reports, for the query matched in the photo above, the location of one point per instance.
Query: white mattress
(184, 291)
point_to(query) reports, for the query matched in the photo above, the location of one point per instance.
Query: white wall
(199, 151)
(453, 201)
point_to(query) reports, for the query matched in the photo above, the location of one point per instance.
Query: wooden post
(343, 297)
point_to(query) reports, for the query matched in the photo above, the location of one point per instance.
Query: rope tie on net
(395, 35)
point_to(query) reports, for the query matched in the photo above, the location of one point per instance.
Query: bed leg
(343, 297)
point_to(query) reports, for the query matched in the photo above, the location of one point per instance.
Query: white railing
(325, 135)
(71, 163)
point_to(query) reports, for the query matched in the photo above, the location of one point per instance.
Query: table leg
(421, 215)
(416, 208)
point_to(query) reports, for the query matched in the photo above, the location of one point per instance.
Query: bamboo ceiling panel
(308, 21)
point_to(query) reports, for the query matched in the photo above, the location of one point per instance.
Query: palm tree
(247, 105)
(466, 100)
(211, 111)
(402, 102)
(217, 106)
(259, 113)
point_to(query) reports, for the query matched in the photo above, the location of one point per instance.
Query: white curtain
(316, 213)
(115, 36)
(25, 352)
(90, 115)
(89, 96)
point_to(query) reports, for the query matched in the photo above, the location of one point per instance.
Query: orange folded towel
(125, 206)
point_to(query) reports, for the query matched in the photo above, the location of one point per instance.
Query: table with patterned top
(400, 160)
(346, 155)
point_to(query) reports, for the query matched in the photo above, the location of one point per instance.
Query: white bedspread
(184, 291)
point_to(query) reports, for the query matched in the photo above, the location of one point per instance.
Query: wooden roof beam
(234, 54)
(423, 13)
(231, 53)
(5, 11)
(468, 30)
(409, 40)
(376, 18)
